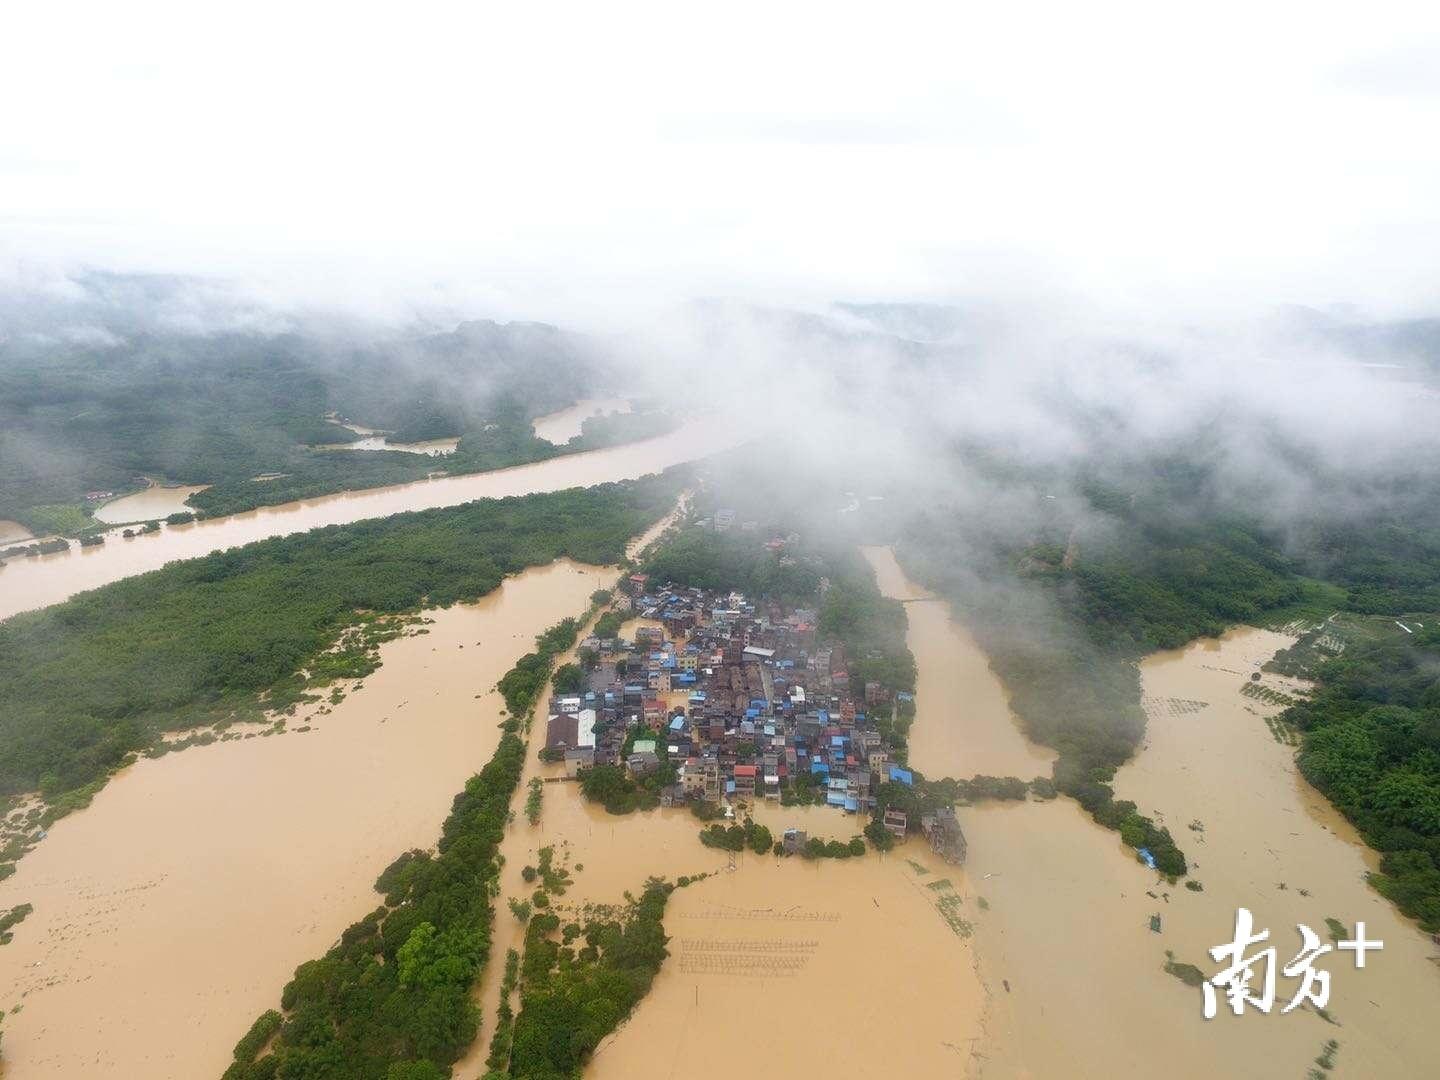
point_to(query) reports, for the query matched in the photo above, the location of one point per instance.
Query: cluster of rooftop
(728, 700)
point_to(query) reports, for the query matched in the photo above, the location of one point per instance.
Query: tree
(569, 679)
(879, 835)
(415, 1070)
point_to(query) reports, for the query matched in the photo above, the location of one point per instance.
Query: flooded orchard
(170, 913)
(846, 968)
(48, 579)
(769, 938)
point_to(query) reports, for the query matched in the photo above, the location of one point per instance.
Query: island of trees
(99, 677)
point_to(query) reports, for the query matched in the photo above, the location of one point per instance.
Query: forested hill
(88, 681)
(93, 408)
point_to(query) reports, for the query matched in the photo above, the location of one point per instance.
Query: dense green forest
(1371, 742)
(93, 679)
(223, 408)
(575, 991)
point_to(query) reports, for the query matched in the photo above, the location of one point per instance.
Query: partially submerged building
(943, 831)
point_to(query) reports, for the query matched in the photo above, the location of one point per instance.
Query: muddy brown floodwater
(170, 913)
(963, 723)
(771, 939)
(155, 502)
(48, 579)
(11, 531)
(864, 967)
(1067, 922)
(375, 439)
(562, 426)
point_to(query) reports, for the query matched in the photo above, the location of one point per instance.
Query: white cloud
(592, 155)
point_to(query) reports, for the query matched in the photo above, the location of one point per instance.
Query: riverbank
(44, 580)
(248, 857)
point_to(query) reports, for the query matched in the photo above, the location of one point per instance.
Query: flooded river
(170, 913)
(560, 427)
(963, 723)
(48, 579)
(155, 502)
(1069, 907)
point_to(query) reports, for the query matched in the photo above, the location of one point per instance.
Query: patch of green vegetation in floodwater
(11, 919)
(1189, 974)
(949, 908)
(1326, 1060)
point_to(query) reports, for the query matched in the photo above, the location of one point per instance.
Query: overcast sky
(531, 154)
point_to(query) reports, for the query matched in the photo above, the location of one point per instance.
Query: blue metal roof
(904, 776)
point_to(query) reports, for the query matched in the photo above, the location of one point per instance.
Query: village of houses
(741, 698)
